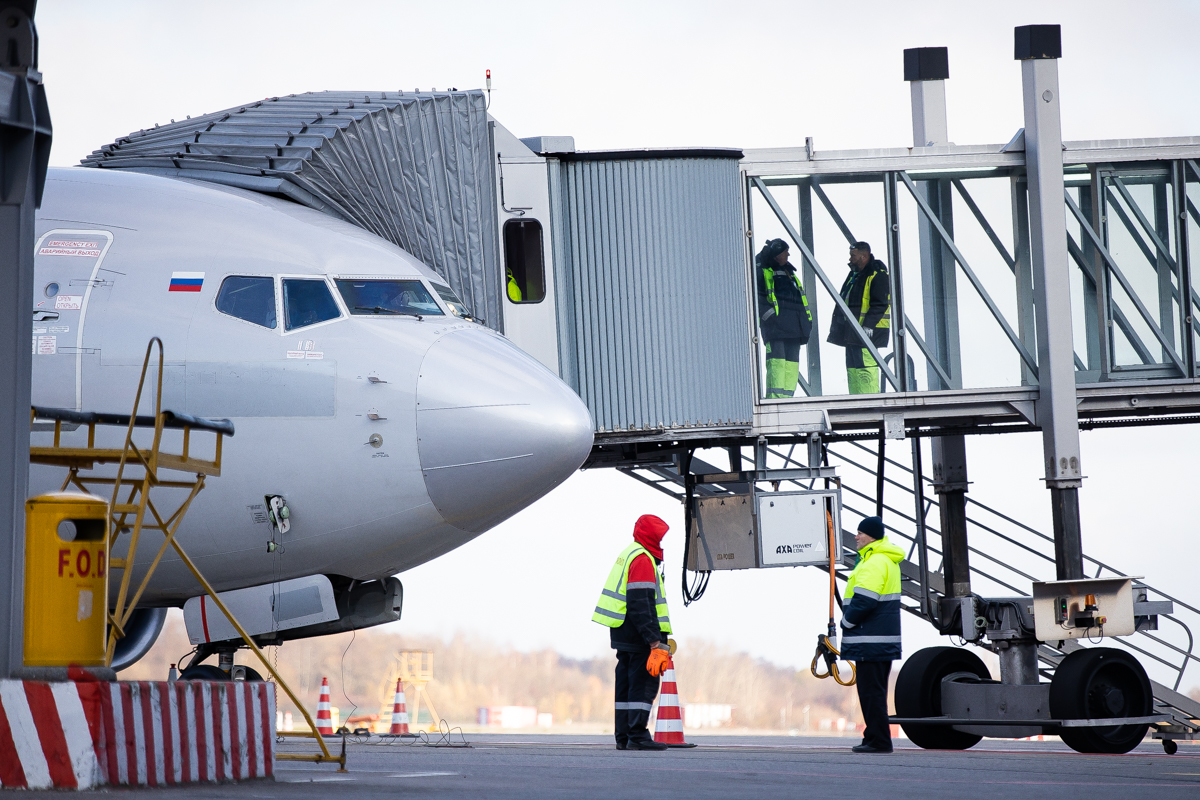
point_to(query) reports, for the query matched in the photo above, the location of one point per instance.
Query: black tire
(204, 672)
(1098, 683)
(919, 694)
(1169, 747)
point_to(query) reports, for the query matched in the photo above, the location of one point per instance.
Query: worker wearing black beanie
(871, 628)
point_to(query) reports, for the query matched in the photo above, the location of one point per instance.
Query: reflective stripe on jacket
(871, 613)
(610, 608)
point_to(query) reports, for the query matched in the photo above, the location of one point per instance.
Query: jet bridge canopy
(412, 167)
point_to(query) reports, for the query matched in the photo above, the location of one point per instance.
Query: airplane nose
(496, 430)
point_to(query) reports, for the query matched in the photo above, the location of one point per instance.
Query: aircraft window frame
(275, 287)
(283, 311)
(438, 311)
(521, 274)
(452, 307)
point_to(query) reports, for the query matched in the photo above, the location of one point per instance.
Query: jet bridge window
(307, 301)
(525, 273)
(366, 297)
(251, 299)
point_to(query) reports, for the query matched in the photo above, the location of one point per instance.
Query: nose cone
(496, 430)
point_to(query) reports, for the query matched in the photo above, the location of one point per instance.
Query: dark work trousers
(635, 692)
(872, 686)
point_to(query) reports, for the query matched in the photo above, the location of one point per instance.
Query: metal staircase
(1007, 556)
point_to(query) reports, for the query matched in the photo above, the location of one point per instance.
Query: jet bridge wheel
(1099, 683)
(919, 694)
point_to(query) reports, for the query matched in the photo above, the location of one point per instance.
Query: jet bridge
(1062, 299)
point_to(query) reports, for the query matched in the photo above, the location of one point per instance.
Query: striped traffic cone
(668, 725)
(324, 719)
(399, 713)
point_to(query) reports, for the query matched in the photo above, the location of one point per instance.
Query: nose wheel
(1102, 683)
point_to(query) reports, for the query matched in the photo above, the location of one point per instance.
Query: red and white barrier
(86, 734)
(50, 735)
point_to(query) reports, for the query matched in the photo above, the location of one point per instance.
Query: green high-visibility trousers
(783, 367)
(863, 380)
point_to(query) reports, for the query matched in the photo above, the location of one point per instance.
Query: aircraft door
(66, 270)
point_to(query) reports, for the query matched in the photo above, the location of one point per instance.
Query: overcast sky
(745, 74)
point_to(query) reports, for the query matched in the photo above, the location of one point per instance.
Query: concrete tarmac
(563, 766)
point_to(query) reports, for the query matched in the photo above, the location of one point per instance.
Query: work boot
(866, 748)
(645, 744)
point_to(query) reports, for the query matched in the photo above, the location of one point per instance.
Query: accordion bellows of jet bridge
(411, 167)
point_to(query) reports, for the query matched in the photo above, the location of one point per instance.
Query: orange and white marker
(324, 719)
(399, 712)
(668, 725)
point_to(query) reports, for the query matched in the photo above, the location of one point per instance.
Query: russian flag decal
(186, 281)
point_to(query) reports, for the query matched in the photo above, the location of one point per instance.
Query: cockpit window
(307, 301)
(457, 307)
(251, 299)
(387, 297)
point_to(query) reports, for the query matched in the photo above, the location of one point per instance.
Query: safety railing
(960, 283)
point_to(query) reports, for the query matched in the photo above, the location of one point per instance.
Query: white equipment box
(767, 529)
(1083, 608)
(793, 529)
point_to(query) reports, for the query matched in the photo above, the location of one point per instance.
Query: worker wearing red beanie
(634, 608)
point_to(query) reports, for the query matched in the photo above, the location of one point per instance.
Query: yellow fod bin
(66, 580)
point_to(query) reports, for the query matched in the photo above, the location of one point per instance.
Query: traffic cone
(399, 712)
(668, 724)
(324, 719)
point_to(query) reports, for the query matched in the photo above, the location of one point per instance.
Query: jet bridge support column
(24, 153)
(1038, 48)
(927, 69)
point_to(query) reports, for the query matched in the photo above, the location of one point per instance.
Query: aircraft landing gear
(225, 670)
(1101, 683)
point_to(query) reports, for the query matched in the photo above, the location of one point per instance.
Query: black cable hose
(694, 591)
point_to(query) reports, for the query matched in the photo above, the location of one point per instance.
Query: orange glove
(657, 663)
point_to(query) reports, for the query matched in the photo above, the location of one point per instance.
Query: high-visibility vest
(610, 608)
(769, 280)
(886, 320)
(514, 290)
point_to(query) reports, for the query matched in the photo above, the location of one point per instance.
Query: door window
(248, 298)
(525, 274)
(307, 301)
